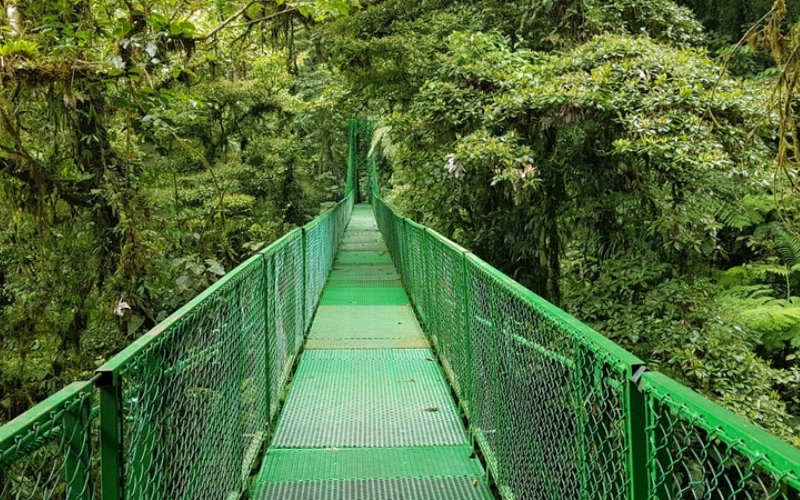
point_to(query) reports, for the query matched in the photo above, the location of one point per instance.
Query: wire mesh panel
(445, 268)
(694, 451)
(552, 421)
(194, 399)
(48, 452)
(285, 305)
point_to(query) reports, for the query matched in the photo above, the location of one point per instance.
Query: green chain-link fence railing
(558, 410)
(47, 453)
(184, 411)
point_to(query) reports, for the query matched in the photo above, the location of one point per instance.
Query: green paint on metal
(365, 327)
(438, 488)
(48, 451)
(366, 296)
(282, 465)
(364, 257)
(368, 398)
(362, 246)
(362, 272)
(366, 321)
(557, 410)
(389, 283)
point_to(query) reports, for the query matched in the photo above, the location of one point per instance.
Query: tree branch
(226, 22)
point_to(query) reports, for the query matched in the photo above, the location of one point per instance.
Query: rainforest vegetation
(633, 161)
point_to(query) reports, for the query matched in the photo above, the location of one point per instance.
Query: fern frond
(788, 245)
(381, 138)
(735, 215)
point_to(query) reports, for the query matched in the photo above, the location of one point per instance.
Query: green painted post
(111, 446)
(636, 435)
(267, 330)
(351, 126)
(466, 385)
(306, 326)
(578, 378)
(78, 460)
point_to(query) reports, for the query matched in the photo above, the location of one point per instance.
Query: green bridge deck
(369, 414)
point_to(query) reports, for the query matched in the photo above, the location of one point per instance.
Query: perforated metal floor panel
(282, 465)
(436, 488)
(369, 415)
(368, 398)
(363, 296)
(362, 272)
(363, 257)
(365, 327)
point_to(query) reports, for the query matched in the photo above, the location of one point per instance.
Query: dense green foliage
(146, 147)
(600, 152)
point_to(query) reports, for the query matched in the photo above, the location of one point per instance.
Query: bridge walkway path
(369, 415)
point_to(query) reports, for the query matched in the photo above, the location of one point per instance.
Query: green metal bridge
(366, 357)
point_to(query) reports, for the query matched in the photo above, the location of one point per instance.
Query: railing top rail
(40, 415)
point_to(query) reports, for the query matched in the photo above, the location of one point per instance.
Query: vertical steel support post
(112, 459)
(267, 330)
(636, 435)
(578, 379)
(467, 386)
(306, 319)
(78, 460)
(351, 158)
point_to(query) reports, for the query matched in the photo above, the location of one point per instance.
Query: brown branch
(242, 25)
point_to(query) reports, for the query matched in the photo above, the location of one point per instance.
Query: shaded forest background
(633, 161)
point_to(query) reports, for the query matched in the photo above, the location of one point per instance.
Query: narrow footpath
(369, 415)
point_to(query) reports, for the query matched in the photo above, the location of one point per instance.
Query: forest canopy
(633, 161)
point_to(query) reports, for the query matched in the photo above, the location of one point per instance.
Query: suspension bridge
(366, 357)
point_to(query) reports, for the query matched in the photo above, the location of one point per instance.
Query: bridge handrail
(558, 410)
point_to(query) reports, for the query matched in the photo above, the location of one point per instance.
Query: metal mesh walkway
(369, 415)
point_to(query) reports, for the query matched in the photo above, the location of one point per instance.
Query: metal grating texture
(283, 465)
(364, 296)
(439, 488)
(365, 327)
(363, 272)
(365, 321)
(364, 257)
(388, 283)
(362, 237)
(373, 246)
(368, 398)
